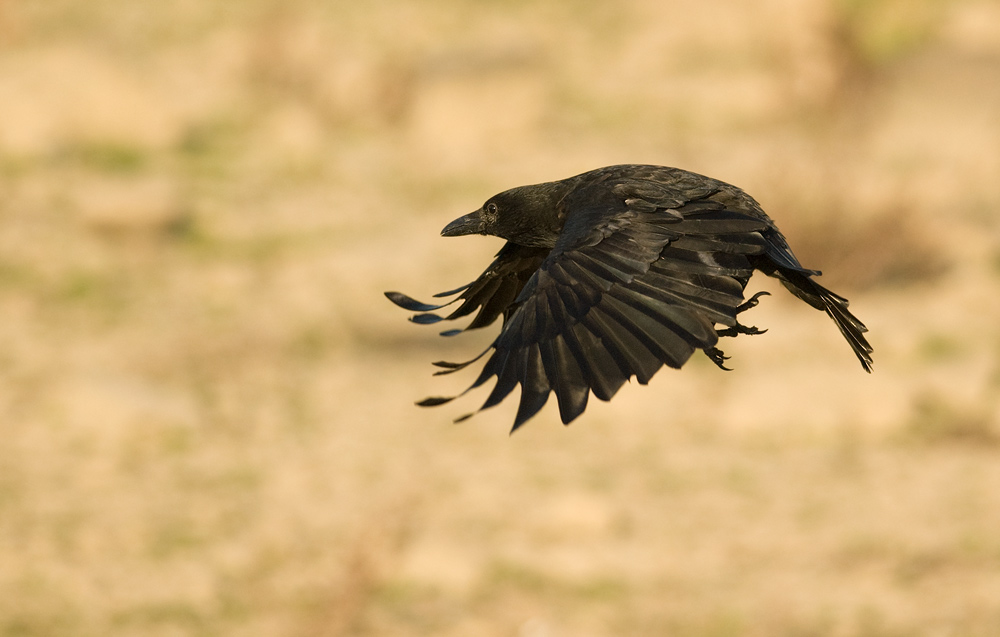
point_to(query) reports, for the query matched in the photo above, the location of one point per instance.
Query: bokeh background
(206, 404)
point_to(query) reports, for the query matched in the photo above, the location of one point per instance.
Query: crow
(612, 274)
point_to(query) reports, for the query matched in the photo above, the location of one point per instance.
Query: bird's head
(526, 216)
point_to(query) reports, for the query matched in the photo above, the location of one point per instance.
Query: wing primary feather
(524, 323)
(723, 289)
(747, 243)
(686, 323)
(715, 311)
(720, 223)
(409, 303)
(575, 295)
(434, 401)
(426, 319)
(507, 378)
(628, 350)
(637, 249)
(582, 276)
(621, 266)
(667, 344)
(558, 315)
(597, 268)
(534, 386)
(724, 286)
(567, 378)
(455, 291)
(451, 368)
(505, 292)
(714, 263)
(599, 367)
(476, 296)
(494, 365)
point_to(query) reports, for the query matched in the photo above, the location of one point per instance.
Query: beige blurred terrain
(206, 404)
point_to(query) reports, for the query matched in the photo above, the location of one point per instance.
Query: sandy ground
(206, 405)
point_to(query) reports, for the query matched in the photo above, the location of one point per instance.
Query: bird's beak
(471, 223)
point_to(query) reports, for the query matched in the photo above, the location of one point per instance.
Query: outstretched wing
(492, 293)
(636, 281)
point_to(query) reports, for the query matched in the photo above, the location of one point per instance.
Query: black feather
(564, 372)
(615, 273)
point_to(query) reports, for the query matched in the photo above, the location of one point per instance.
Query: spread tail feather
(802, 286)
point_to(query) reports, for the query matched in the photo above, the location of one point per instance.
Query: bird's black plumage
(614, 273)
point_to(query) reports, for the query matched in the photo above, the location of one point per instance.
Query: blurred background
(206, 404)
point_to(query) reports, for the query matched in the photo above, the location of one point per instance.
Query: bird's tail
(779, 262)
(801, 284)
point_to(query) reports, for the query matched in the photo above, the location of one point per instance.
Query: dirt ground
(206, 404)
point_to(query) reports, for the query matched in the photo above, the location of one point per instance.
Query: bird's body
(614, 273)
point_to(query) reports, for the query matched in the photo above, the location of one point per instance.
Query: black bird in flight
(613, 273)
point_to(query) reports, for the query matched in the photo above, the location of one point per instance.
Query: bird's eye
(491, 208)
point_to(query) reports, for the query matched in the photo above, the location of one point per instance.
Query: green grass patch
(107, 157)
